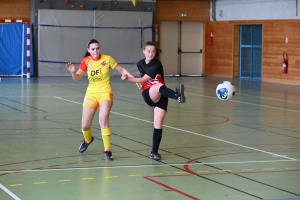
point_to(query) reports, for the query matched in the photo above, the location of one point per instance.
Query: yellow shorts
(93, 100)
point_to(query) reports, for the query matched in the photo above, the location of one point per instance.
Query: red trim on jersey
(158, 79)
(83, 65)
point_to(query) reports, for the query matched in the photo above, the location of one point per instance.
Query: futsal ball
(225, 90)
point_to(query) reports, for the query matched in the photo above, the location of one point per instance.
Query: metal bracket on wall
(296, 8)
(179, 51)
(213, 9)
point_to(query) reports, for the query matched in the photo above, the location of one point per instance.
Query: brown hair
(158, 51)
(92, 41)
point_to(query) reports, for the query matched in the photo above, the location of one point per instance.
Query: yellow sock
(106, 132)
(87, 135)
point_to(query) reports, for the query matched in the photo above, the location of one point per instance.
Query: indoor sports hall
(246, 147)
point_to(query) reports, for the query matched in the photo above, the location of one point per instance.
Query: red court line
(170, 188)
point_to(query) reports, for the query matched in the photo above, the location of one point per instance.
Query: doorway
(182, 43)
(250, 58)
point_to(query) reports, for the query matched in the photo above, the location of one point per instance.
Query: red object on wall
(284, 63)
(211, 38)
(68, 1)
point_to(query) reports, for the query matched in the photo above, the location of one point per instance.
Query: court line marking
(9, 192)
(243, 95)
(150, 165)
(245, 102)
(182, 130)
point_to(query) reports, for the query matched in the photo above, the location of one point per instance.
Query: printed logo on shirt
(97, 79)
(87, 100)
(96, 72)
(103, 63)
(90, 65)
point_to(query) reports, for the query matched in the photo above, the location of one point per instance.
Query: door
(169, 45)
(181, 43)
(250, 51)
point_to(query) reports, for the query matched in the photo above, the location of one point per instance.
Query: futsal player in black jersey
(154, 91)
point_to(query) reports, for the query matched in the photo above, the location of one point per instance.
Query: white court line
(244, 95)
(9, 192)
(245, 103)
(178, 129)
(138, 166)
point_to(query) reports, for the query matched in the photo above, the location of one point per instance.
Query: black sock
(167, 92)
(157, 135)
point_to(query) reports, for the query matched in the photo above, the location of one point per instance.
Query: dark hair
(158, 51)
(92, 41)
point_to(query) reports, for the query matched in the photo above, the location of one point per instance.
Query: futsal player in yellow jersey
(98, 94)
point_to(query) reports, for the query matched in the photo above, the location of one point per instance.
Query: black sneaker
(84, 146)
(155, 156)
(108, 155)
(180, 94)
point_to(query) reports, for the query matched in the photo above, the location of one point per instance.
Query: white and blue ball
(225, 90)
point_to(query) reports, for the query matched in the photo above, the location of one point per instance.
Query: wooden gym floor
(243, 149)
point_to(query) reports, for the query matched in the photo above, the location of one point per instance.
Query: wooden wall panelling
(236, 50)
(196, 10)
(219, 59)
(15, 9)
(274, 35)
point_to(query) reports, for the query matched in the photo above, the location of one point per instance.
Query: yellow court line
(85, 179)
(291, 168)
(134, 175)
(247, 169)
(225, 170)
(111, 177)
(157, 173)
(36, 183)
(13, 185)
(180, 172)
(64, 180)
(267, 169)
(203, 171)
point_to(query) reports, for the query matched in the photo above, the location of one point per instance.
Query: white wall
(63, 36)
(255, 9)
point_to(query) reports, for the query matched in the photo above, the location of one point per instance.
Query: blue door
(250, 51)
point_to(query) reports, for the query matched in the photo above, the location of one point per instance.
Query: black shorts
(162, 103)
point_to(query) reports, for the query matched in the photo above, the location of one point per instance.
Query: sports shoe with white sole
(108, 155)
(155, 156)
(85, 145)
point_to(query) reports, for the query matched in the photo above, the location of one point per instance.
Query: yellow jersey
(98, 72)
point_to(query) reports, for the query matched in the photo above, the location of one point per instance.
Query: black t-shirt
(154, 69)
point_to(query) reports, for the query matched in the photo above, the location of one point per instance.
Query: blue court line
(22, 104)
(99, 27)
(103, 27)
(12, 108)
(60, 62)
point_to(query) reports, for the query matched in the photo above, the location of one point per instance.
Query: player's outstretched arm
(123, 71)
(76, 76)
(137, 80)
